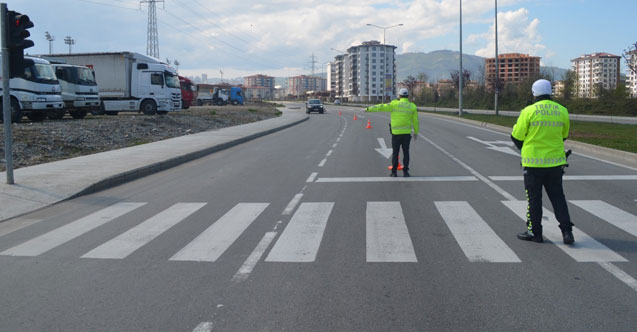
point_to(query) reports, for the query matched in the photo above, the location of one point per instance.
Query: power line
(152, 36)
(217, 15)
(106, 4)
(212, 22)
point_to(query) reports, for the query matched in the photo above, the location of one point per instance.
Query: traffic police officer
(539, 133)
(404, 116)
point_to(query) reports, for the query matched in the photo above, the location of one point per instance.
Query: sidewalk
(45, 184)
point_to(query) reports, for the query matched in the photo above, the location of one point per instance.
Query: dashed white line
(295, 200)
(619, 274)
(254, 258)
(203, 327)
(312, 177)
(322, 163)
(334, 145)
(329, 153)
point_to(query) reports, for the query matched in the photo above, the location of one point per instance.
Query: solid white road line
(387, 236)
(399, 179)
(203, 327)
(585, 248)
(312, 177)
(138, 236)
(295, 200)
(71, 231)
(322, 163)
(254, 257)
(476, 238)
(573, 178)
(612, 215)
(619, 274)
(301, 239)
(213, 242)
(16, 224)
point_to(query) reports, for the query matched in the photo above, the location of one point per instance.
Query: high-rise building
(262, 84)
(366, 73)
(631, 76)
(204, 78)
(299, 85)
(513, 68)
(595, 71)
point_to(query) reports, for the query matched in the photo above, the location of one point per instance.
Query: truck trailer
(130, 81)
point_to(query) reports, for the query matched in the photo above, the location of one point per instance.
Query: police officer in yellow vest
(404, 117)
(539, 133)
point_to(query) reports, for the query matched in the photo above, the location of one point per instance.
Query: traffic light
(17, 25)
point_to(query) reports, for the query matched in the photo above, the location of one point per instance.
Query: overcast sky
(278, 37)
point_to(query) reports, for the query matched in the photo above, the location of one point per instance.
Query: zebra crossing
(386, 230)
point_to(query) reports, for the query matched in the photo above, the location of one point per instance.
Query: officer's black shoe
(568, 238)
(529, 236)
(393, 174)
(406, 174)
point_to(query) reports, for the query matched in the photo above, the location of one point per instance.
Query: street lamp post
(460, 74)
(50, 38)
(385, 53)
(69, 41)
(497, 67)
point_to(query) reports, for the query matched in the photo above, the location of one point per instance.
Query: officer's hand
(366, 109)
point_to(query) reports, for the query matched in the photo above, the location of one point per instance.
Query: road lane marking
(312, 177)
(301, 239)
(322, 163)
(398, 179)
(573, 178)
(387, 236)
(213, 242)
(329, 153)
(475, 237)
(254, 258)
(619, 274)
(585, 248)
(612, 215)
(203, 327)
(11, 226)
(334, 145)
(293, 202)
(68, 232)
(140, 235)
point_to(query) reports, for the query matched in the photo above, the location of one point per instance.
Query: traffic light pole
(6, 98)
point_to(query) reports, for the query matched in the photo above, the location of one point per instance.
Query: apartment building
(259, 86)
(595, 71)
(335, 76)
(631, 77)
(368, 73)
(299, 85)
(513, 68)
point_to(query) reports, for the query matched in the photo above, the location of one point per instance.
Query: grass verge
(610, 135)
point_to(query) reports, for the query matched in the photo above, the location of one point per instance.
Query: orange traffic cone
(369, 125)
(355, 118)
(400, 167)
(340, 113)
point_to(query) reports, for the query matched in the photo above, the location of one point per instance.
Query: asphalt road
(303, 230)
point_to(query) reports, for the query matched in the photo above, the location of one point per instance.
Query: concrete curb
(140, 172)
(624, 158)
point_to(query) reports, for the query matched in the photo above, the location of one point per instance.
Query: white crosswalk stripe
(474, 236)
(138, 236)
(68, 232)
(585, 248)
(387, 237)
(611, 214)
(302, 237)
(213, 242)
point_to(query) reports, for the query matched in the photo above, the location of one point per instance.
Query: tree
(422, 77)
(629, 55)
(410, 84)
(570, 81)
(455, 77)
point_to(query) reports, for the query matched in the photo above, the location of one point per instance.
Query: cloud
(517, 33)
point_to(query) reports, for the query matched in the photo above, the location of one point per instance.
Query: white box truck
(35, 93)
(130, 81)
(79, 90)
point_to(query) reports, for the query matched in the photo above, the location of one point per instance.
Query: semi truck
(79, 91)
(188, 92)
(34, 93)
(130, 82)
(219, 95)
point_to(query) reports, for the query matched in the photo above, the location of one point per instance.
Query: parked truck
(130, 81)
(219, 94)
(235, 95)
(35, 93)
(188, 93)
(79, 91)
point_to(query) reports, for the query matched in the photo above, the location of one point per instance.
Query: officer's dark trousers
(396, 142)
(551, 179)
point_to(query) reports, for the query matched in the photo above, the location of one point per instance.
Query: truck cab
(236, 96)
(79, 90)
(188, 92)
(35, 93)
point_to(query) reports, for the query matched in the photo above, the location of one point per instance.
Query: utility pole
(461, 74)
(313, 62)
(497, 67)
(221, 72)
(176, 62)
(6, 99)
(152, 37)
(69, 41)
(50, 39)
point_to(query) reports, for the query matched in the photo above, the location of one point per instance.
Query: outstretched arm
(379, 108)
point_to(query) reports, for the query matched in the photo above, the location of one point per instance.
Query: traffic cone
(340, 113)
(400, 167)
(355, 118)
(369, 125)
